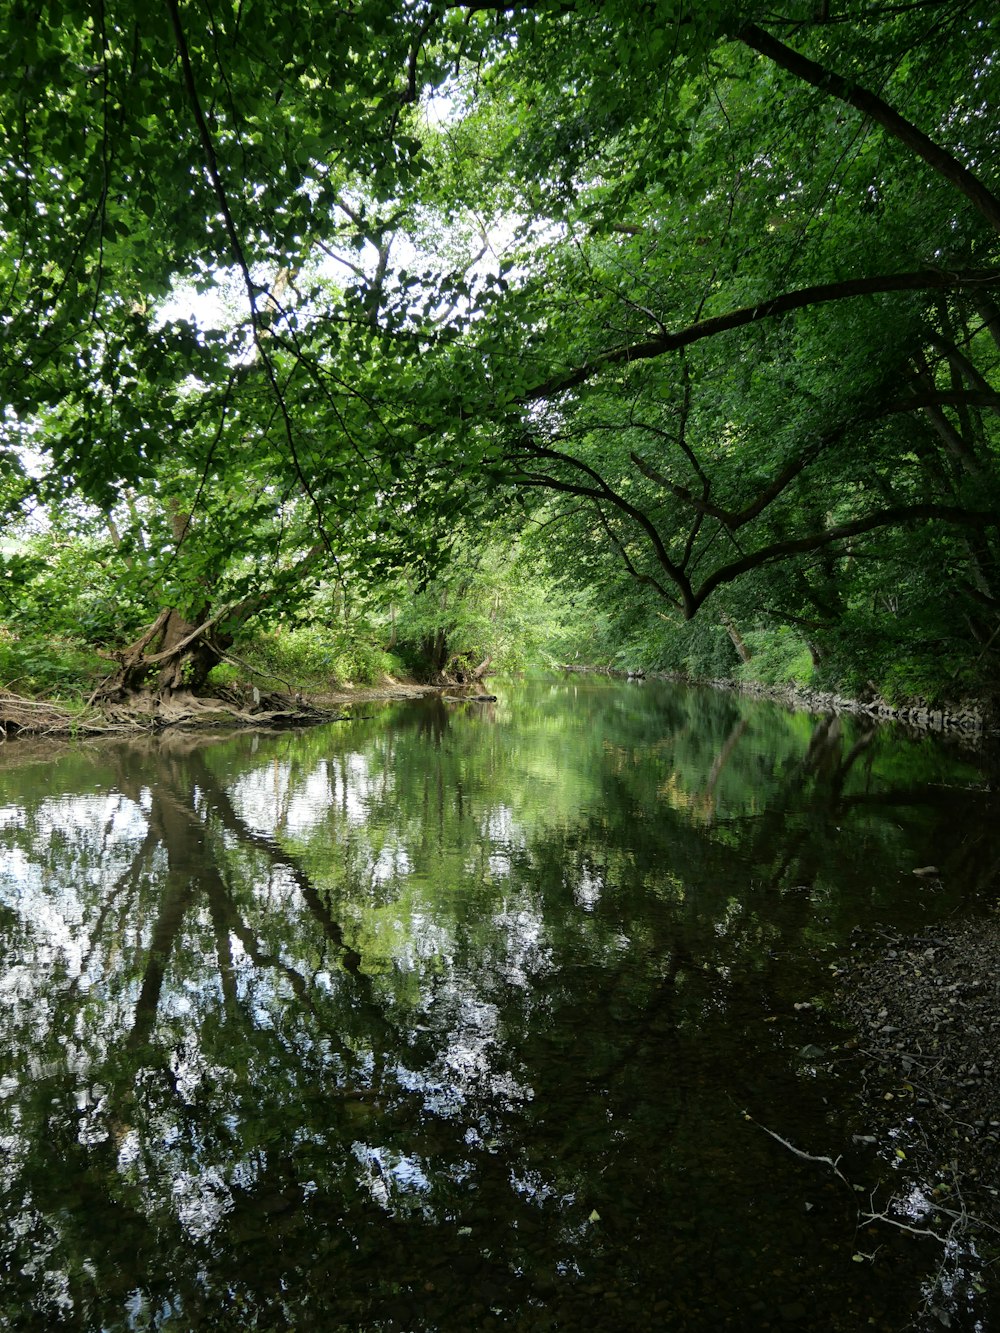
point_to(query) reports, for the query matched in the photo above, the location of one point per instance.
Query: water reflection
(444, 1019)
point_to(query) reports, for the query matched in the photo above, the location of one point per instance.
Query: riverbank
(925, 1013)
(23, 716)
(971, 717)
(243, 706)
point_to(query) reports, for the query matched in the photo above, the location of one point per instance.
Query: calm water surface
(447, 1018)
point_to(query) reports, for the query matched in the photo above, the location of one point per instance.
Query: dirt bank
(20, 716)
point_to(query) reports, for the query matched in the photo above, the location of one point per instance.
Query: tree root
(148, 712)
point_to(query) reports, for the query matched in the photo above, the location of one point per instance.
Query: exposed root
(148, 712)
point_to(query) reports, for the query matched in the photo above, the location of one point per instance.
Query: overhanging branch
(827, 81)
(823, 293)
(894, 516)
(599, 491)
(240, 258)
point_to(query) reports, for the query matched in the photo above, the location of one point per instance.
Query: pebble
(927, 1015)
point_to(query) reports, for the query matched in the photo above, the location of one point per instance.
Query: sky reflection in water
(449, 1016)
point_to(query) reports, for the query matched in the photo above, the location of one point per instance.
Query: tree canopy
(704, 298)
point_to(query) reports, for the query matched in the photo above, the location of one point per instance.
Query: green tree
(723, 283)
(767, 366)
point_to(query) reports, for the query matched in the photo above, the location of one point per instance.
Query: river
(451, 1016)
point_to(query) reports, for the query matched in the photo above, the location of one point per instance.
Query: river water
(451, 1016)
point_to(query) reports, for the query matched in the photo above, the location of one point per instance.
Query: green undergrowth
(861, 665)
(57, 668)
(318, 658)
(309, 658)
(778, 658)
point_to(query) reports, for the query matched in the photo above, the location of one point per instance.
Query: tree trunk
(480, 671)
(173, 656)
(736, 637)
(171, 660)
(190, 659)
(434, 650)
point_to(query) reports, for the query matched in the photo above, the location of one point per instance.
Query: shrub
(309, 658)
(780, 657)
(51, 666)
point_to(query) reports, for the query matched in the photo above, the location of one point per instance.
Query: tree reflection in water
(445, 1018)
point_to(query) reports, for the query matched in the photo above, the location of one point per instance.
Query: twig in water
(805, 1156)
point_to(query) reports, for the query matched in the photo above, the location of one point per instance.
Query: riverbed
(457, 1016)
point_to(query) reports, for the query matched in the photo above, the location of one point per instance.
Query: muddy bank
(21, 716)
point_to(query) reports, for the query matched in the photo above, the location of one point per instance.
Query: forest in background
(436, 337)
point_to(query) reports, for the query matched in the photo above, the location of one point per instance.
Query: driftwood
(149, 712)
(36, 717)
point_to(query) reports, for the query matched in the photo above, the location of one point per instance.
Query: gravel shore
(925, 1010)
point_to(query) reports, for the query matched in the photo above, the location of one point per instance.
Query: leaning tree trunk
(186, 660)
(171, 658)
(736, 638)
(174, 655)
(163, 673)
